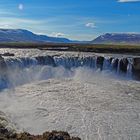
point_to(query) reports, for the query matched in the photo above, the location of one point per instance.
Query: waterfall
(118, 67)
(114, 64)
(107, 64)
(71, 62)
(129, 68)
(95, 62)
(100, 63)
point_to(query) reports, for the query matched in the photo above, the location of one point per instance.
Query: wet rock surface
(136, 68)
(117, 63)
(114, 63)
(8, 54)
(100, 62)
(45, 60)
(2, 62)
(54, 135)
(8, 132)
(123, 65)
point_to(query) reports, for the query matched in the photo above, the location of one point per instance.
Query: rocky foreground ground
(54, 135)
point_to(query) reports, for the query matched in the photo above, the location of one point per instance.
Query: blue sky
(74, 19)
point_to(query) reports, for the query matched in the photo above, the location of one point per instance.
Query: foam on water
(81, 101)
(19, 76)
(20, 70)
(74, 96)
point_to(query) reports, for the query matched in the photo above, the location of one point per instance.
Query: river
(70, 91)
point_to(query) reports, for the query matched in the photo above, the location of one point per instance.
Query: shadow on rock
(54, 135)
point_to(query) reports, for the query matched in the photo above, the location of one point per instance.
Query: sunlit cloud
(91, 25)
(18, 22)
(57, 34)
(128, 1)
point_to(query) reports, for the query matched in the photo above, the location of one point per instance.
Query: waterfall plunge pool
(89, 98)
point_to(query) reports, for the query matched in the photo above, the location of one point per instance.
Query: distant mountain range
(20, 35)
(117, 38)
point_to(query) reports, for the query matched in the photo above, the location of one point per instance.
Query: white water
(90, 104)
(32, 65)
(86, 104)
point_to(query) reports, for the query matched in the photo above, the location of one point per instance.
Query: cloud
(57, 34)
(128, 1)
(90, 25)
(7, 22)
(20, 6)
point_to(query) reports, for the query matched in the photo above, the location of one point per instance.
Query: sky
(73, 19)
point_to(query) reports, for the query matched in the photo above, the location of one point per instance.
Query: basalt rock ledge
(54, 135)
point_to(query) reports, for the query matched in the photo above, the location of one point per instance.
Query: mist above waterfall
(18, 76)
(84, 102)
(34, 66)
(35, 73)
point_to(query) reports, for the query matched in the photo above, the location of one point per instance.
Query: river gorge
(89, 95)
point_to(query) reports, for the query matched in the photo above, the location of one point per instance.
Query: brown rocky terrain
(54, 135)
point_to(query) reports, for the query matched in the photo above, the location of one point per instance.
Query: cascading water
(129, 68)
(81, 89)
(25, 66)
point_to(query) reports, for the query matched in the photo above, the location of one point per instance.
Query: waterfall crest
(128, 67)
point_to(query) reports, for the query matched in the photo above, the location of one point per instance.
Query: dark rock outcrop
(54, 135)
(123, 65)
(45, 60)
(6, 135)
(136, 63)
(136, 68)
(2, 63)
(114, 63)
(8, 54)
(100, 62)
(7, 132)
(3, 71)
